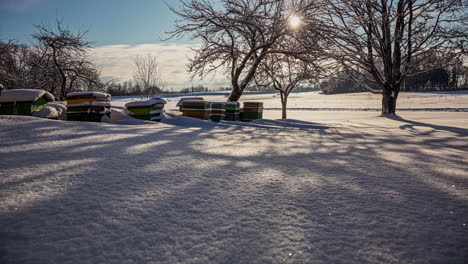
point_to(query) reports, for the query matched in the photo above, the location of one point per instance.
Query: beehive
(88, 106)
(23, 101)
(232, 112)
(182, 100)
(196, 109)
(217, 111)
(252, 111)
(151, 109)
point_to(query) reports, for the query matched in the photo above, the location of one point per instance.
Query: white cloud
(115, 62)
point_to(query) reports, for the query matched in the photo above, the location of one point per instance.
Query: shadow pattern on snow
(266, 192)
(410, 124)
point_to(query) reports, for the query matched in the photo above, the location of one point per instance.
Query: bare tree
(384, 41)
(237, 34)
(62, 53)
(147, 73)
(284, 73)
(14, 65)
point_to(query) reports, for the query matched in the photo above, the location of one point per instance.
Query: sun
(294, 21)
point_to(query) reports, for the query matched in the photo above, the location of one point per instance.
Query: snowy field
(321, 187)
(313, 101)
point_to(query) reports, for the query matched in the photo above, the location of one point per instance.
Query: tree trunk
(389, 99)
(235, 93)
(63, 87)
(238, 88)
(284, 101)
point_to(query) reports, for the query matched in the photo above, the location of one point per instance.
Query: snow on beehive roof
(24, 95)
(148, 102)
(197, 98)
(95, 94)
(196, 101)
(160, 98)
(93, 103)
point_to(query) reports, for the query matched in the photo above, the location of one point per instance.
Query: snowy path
(326, 190)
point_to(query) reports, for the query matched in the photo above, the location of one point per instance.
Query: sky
(119, 29)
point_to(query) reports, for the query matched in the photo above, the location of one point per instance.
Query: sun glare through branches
(294, 21)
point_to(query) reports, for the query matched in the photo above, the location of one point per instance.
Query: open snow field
(453, 100)
(321, 187)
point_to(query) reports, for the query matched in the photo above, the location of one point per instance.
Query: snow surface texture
(186, 99)
(46, 112)
(148, 102)
(93, 103)
(95, 94)
(53, 110)
(24, 95)
(334, 187)
(61, 109)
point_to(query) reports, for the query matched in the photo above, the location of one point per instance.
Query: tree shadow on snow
(260, 123)
(246, 193)
(412, 124)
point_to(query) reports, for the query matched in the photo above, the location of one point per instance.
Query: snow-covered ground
(455, 100)
(320, 187)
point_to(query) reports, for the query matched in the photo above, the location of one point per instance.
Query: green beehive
(217, 111)
(232, 112)
(88, 106)
(86, 116)
(23, 101)
(150, 109)
(252, 111)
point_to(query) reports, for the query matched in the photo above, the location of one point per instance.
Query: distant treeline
(129, 88)
(454, 77)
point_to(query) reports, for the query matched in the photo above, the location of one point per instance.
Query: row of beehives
(81, 106)
(217, 111)
(92, 106)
